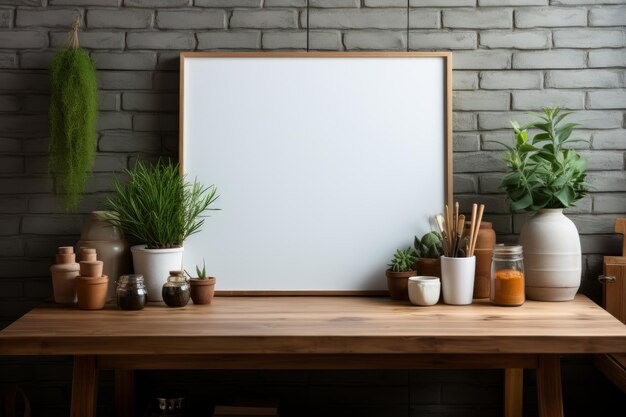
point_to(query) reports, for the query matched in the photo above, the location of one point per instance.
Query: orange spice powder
(508, 287)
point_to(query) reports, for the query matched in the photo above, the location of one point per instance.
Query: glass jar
(176, 291)
(507, 276)
(131, 292)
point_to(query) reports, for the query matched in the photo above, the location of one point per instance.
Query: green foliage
(430, 246)
(403, 260)
(201, 273)
(73, 113)
(542, 173)
(159, 207)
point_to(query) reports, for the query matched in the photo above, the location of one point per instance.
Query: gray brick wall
(510, 56)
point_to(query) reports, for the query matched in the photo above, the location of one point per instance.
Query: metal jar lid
(504, 252)
(508, 249)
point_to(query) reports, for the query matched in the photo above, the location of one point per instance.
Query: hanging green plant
(73, 113)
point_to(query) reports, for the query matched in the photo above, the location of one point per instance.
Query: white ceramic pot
(552, 258)
(457, 279)
(424, 291)
(155, 266)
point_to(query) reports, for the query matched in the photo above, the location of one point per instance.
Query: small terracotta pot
(63, 276)
(91, 268)
(65, 250)
(88, 254)
(65, 258)
(92, 292)
(202, 290)
(398, 284)
(429, 267)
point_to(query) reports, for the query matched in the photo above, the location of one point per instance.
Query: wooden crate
(614, 301)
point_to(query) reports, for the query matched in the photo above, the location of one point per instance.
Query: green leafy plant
(542, 173)
(73, 113)
(159, 207)
(403, 260)
(429, 246)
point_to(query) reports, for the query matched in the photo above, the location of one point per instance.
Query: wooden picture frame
(203, 80)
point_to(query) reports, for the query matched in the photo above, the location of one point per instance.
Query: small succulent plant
(403, 260)
(201, 272)
(429, 246)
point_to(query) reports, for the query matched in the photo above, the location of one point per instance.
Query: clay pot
(88, 254)
(91, 292)
(65, 258)
(96, 227)
(485, 242)
(398, 284)
(202, 290)
(429, 267)
(482, 275)
(63, 276)
(486, 236)
(116, 257)
(108, 241)
(91, 268)
(64, 272)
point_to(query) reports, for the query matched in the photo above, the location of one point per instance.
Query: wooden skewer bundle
(474, 228)
(452, 228)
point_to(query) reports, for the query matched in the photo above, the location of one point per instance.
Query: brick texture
(509, 57)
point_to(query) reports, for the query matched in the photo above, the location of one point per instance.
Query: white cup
(457, 279)
(424, 291)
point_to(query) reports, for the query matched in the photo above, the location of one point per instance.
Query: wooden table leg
(84, 386)
(513, 392)
(549, 393)
(124, 392)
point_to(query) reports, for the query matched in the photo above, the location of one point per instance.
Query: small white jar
(424, 291)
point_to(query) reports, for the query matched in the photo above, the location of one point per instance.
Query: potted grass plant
(202, 286)
(401, 267)
(160, 208)
(544, 177)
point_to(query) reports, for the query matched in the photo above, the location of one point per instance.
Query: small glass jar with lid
(507, 275)
(131, 292)
(176, 291)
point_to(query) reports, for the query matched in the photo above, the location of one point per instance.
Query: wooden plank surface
(262, 325)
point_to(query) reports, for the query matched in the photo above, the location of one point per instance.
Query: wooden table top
(288, 325)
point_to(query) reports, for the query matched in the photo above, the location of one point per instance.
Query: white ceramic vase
(552, 258)
(155, 266)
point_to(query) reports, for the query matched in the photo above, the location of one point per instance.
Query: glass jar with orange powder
(507, 276)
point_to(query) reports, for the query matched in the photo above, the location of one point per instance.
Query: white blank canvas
(324, 166)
